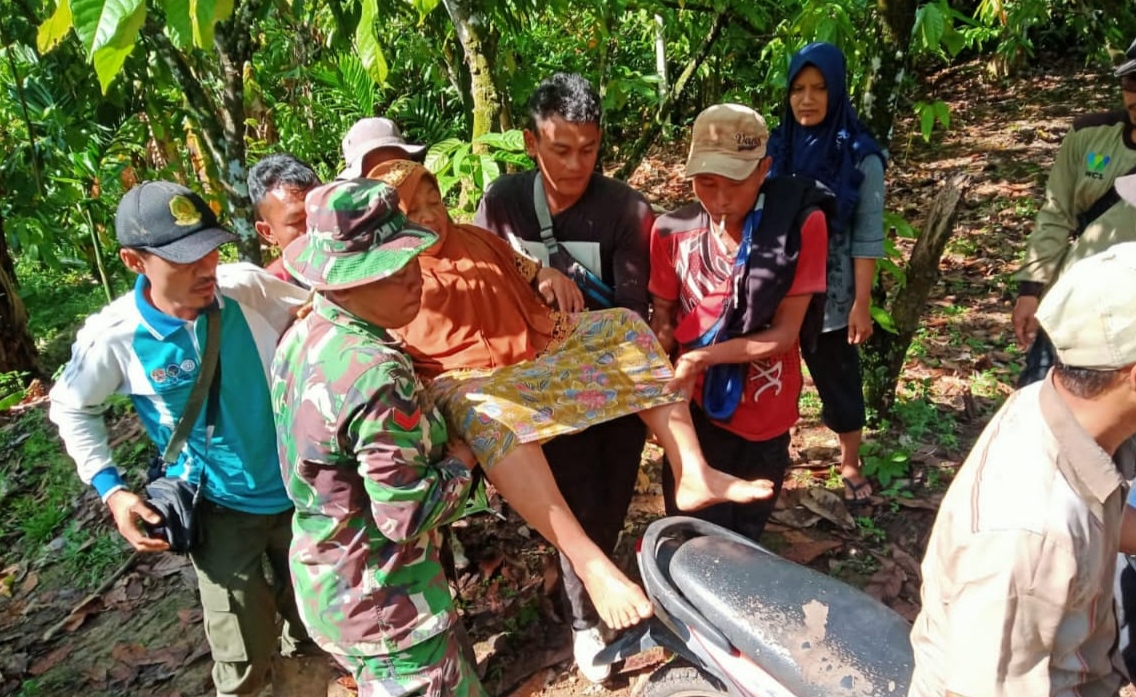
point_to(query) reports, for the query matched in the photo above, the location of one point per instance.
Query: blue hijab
(831, 151)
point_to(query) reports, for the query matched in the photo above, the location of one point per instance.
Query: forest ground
(142, 634)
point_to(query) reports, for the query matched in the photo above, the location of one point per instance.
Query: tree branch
(635, 155)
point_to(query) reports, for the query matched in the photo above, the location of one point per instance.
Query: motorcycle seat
(812, 633)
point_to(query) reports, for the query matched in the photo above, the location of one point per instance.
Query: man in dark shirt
(605, 226)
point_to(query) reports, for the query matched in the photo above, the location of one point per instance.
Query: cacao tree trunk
(17, 348)
(889, 66)
(222, 122)
(884, 353)
(473, 33)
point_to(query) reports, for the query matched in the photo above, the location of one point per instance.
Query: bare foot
(699, 489)
(619, 602)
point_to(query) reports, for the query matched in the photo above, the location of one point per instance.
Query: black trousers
(733, 454)
(835, 366)
(596, 472)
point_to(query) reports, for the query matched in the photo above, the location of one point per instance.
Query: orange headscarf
(478, 309)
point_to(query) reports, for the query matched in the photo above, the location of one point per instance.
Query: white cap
(1089, 315)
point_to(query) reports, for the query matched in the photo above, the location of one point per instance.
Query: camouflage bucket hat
(356, 235)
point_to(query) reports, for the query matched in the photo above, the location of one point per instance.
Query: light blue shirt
(132, 348)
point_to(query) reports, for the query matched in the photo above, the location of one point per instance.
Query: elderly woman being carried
(509, 372)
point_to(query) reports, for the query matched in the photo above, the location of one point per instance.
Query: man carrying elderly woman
(367, 456)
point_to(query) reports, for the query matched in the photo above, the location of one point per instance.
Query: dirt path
(144, 635)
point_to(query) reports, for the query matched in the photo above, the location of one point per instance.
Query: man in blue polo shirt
(149, 345)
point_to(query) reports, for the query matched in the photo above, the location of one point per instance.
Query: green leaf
(884, 319)
(108, 59)
(204, 14)
(179, 23)
(897, 222)
(513, 141)
(447, 146)
(367, 44)
(424, 7)
(12, 400)
(926, 121)
(489, 170)
(52, 31)
(461, 155)
(930, 25)
(954, 41)
(943, 113)
(98, 22)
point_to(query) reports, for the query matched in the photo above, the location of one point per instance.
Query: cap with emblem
(1088, 316)
(170, 221)
(728, 140)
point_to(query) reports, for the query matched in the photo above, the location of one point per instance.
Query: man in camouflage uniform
(370, 471)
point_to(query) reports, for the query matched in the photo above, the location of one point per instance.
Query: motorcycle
(743, 621)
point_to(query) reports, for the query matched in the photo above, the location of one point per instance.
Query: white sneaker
(585, 645)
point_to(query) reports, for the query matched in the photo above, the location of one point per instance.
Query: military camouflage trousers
(434, 668)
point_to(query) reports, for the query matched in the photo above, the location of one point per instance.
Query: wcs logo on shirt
(175, 374)
(1096, 165)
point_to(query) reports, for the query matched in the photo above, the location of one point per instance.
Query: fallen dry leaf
(45, 663)
(886, 583)
(30, 582)
(134, 654)
(550, 574)
(134, 589)
(121, 673)
(806, 553)
(165, 565)
(908, 610)
(489, 566)
(190, 615)
(79, 615)
(96, 675)
(908, 563)
(924, 504)
(796, 517)
(828, 505)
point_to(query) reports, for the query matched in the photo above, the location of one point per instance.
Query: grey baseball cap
(168, 220)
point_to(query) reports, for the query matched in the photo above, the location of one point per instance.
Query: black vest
(775, 247)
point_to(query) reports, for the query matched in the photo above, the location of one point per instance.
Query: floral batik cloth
(609, 365)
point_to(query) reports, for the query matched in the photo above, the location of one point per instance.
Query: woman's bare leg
(697, 484)
(525, 481)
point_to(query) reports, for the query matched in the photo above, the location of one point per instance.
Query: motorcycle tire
(682, 681)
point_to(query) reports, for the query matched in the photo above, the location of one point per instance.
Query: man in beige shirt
(1018, 575)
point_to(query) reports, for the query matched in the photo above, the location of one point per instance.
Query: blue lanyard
(712, 334)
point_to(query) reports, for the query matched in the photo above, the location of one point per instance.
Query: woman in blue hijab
(821, 137)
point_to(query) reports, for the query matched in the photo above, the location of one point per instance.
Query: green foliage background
(75, 134)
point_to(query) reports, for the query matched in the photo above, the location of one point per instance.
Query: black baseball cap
(168, 220)
(1128, 66)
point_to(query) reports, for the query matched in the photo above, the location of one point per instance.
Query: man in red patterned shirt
(743, 424)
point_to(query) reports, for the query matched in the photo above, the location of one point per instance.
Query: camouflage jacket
(367, 471)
